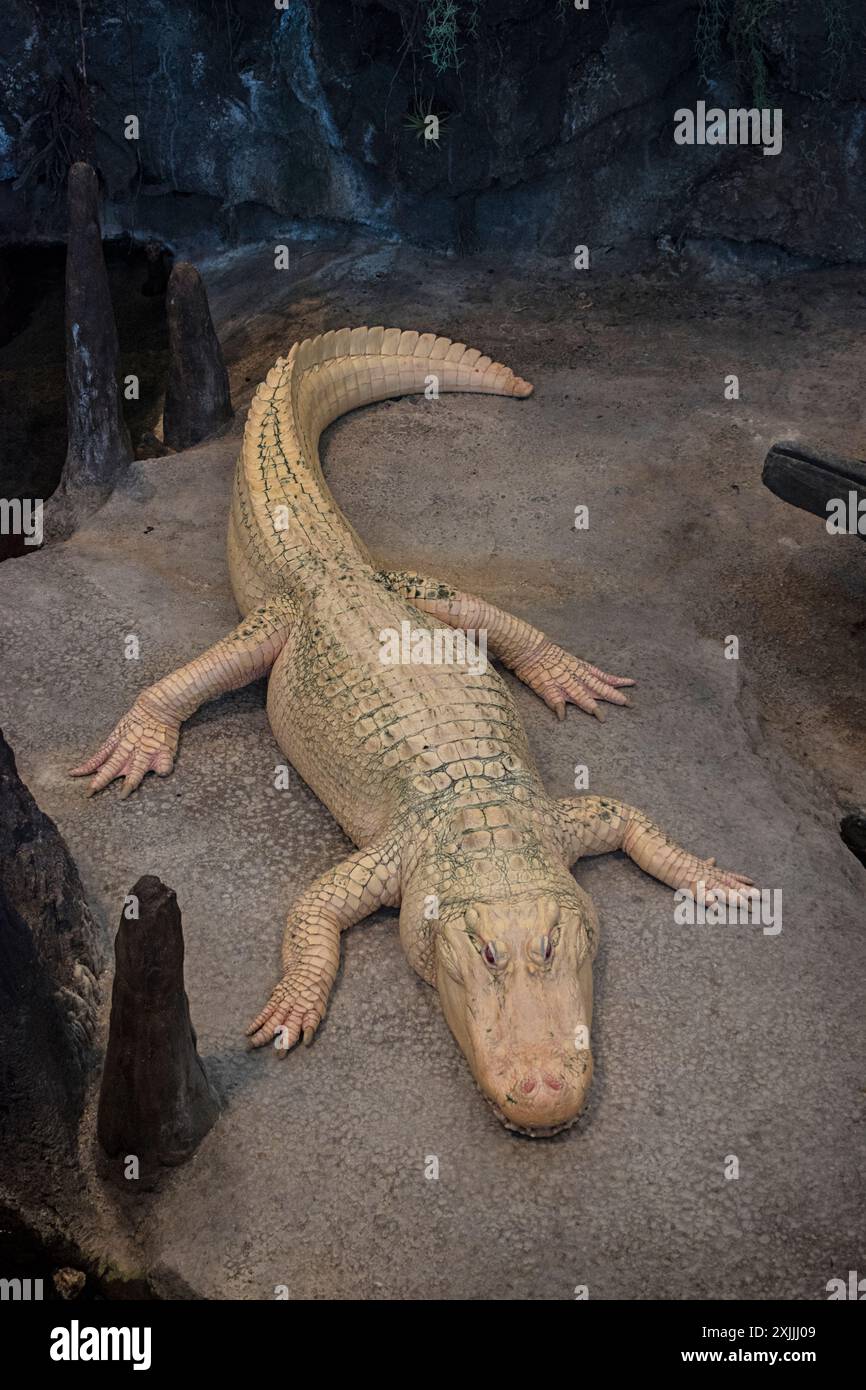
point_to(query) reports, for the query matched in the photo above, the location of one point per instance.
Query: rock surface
(708, 1042)
(50, 954)
(557, 127)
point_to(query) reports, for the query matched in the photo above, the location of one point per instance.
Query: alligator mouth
(531, 1131)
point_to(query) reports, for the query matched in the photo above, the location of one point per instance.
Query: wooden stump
(197, 399)
(810, 480)
(98, 451)
(156, 1102)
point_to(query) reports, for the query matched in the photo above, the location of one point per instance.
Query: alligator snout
(545, 1097)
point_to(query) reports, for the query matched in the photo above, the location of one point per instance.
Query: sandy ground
(709, 1042)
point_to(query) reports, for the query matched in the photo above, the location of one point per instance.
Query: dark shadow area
(853, 832)
(38, 1270)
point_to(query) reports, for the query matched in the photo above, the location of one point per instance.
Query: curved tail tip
(521, 387)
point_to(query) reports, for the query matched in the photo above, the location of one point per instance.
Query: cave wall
(258, 120)
(51, 953)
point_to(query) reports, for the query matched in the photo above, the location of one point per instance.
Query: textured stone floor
(709, 1042)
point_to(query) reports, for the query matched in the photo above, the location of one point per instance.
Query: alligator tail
(282, 507)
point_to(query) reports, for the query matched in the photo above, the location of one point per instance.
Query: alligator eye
(489, 953)
(541, 949)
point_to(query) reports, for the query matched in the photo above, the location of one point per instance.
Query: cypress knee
(98, 451)
(156, 1101)
(197, 400)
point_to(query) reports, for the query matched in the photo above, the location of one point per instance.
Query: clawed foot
(721, 882)
(560, 678)
(295, 1009)
(142, 742)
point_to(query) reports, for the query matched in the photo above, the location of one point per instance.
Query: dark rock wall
(50, 954)
(559, 122)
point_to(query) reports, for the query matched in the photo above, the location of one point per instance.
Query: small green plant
(427, 125)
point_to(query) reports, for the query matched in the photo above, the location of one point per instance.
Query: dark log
(810, 480)
(98, 451)
(50, 954)
(197, 399)
(156, 1101)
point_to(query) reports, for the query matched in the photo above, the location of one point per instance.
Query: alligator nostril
(528, 1085)
(552, 1082)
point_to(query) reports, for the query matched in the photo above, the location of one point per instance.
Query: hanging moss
(446, 23)
(840, 36)
(441, 31)
(747, 40)
(734, 31)
(740, 27)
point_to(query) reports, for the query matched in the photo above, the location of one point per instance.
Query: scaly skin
(426, 767)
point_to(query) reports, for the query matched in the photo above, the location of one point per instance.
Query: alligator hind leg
(145, 739)
(367, 880)
(553, 673)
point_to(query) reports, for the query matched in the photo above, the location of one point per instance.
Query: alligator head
(515, 979)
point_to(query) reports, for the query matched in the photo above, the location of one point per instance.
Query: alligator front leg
(367, 880)
(599, 824)
(145, 740)
(549, 670)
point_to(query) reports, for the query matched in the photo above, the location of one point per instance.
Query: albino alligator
(426, 767)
